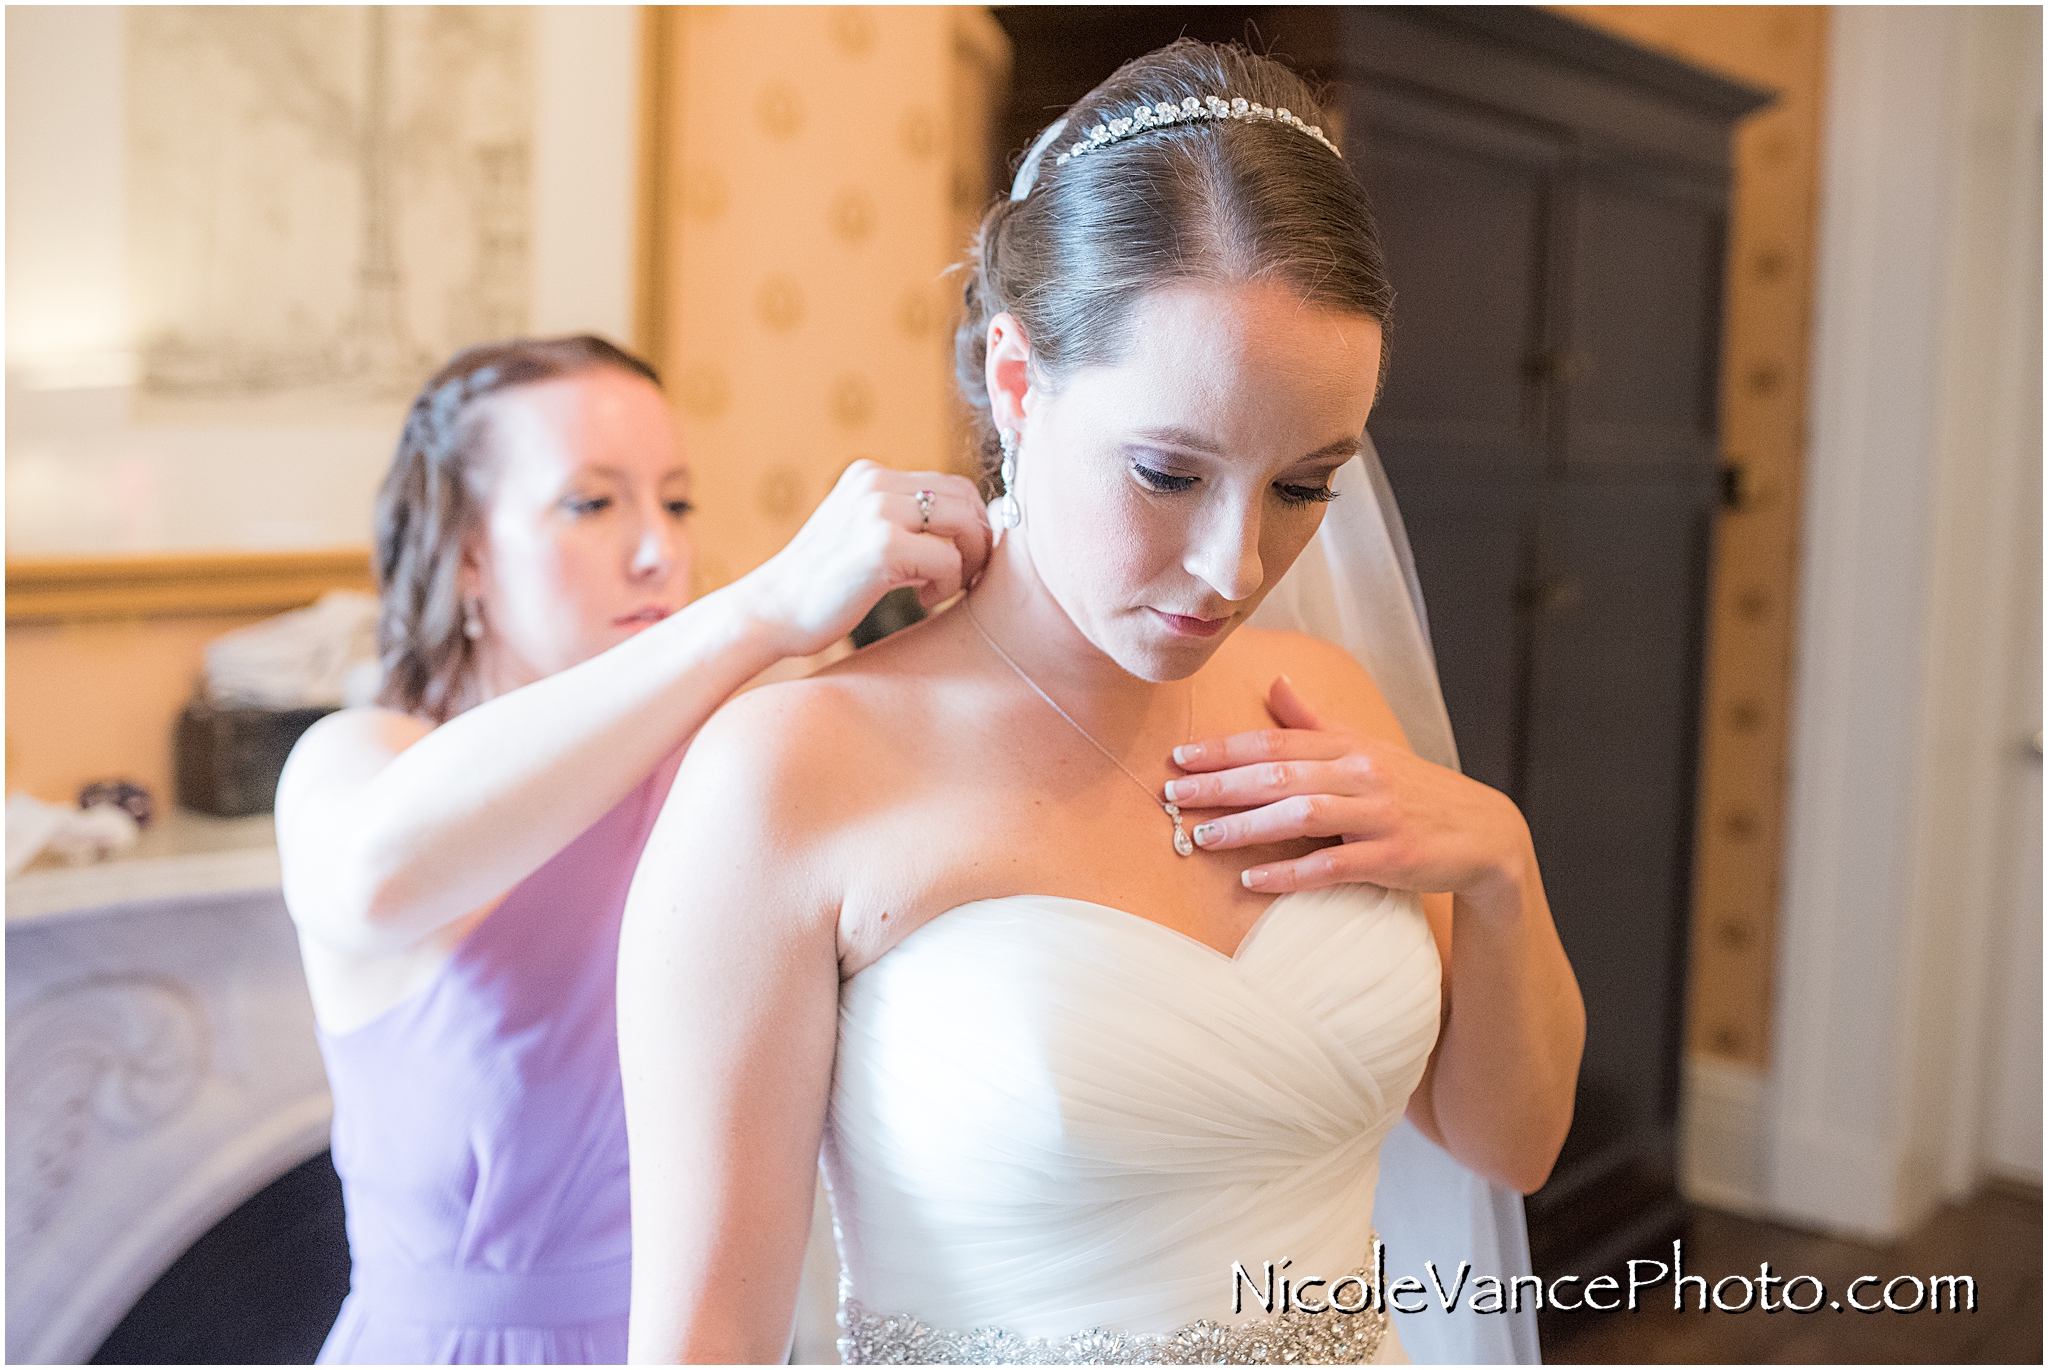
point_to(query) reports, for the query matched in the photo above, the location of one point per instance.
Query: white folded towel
(321, 656)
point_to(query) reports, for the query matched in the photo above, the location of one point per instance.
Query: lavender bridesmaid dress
(480, 1131)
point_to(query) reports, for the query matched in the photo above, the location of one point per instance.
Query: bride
(1099, 938)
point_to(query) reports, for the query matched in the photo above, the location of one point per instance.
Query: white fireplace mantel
(161, 1068)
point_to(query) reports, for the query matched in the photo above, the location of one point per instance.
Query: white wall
(1908, 1028)
(82, 475)
(585, 159)
(66, 207)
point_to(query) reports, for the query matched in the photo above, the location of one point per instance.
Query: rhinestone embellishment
(1290, 1338)
(1206, 107)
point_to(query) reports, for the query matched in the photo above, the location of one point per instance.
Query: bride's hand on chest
(1405, 823)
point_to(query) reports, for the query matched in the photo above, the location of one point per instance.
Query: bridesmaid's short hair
(430, 510)
(1217, 200)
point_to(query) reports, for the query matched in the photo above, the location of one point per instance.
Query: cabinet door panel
(1613, 688)
(1462, 213)
(1645, 286)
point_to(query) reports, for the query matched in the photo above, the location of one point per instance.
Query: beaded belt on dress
(1291, 1337)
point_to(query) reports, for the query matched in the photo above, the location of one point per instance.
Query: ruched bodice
(1050, 1115)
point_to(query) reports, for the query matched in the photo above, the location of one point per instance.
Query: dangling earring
(472, 617)
(1007, 512)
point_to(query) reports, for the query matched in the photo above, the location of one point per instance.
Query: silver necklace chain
(1181, 842)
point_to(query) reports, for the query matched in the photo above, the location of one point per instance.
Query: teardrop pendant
(1181, 842)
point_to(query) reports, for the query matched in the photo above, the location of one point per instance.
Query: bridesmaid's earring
(1007, 512)
(472, 617)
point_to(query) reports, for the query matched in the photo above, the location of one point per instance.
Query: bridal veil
(1355, 585)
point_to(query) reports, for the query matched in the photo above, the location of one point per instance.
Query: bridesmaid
(456, 859)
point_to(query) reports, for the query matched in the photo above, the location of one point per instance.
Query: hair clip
(1027, 171)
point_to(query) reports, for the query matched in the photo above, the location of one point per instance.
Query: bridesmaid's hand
(1407, 824)
(871, 535)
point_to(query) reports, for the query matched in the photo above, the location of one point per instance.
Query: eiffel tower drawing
(359, 108)
(377, 349)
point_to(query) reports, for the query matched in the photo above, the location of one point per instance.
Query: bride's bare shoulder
(1326, 676)
(751, 818)
(797, 756)
(787, 734)
(1309, 661)
(1280, 644)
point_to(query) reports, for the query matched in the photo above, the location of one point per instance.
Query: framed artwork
(239, 238)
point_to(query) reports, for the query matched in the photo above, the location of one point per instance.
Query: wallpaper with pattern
(816, 185)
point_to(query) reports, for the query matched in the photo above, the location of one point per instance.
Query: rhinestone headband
(1164, 113)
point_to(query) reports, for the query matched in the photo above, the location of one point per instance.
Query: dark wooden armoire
(1554, 205)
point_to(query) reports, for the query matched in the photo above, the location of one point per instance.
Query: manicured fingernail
(1191, 752)
(1180, 789)
(1253, 879)
(1205, 833)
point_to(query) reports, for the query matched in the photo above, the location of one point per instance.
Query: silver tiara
(1164, 113)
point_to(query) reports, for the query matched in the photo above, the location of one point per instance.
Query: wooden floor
(1996, 1237)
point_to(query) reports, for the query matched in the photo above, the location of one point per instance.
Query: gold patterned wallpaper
(1782, 48)
(812, 172)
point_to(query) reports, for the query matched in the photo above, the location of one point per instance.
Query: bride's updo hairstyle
(1197, 199)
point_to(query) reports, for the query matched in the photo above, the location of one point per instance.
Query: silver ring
(924, 510)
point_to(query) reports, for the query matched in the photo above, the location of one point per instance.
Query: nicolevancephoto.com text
(1273, 1290)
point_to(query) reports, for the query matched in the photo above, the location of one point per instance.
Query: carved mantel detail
(161, 1068)
(112, 1055)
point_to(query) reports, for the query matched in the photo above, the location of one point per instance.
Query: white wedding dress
(1055, 1126)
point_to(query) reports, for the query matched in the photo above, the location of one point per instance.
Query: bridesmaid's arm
(728, 1019)
(391, 830)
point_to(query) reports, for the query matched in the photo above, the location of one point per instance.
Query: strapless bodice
(1050, 1115)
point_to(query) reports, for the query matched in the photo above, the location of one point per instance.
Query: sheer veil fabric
(1355, 585)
